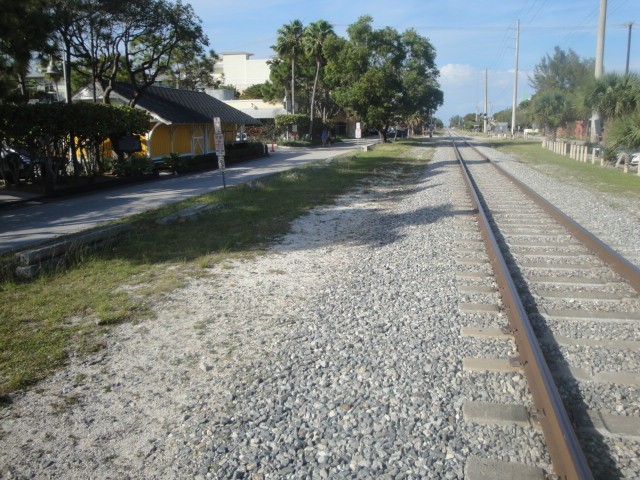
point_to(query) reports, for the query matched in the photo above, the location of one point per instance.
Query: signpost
(218, 138)
(358, 134)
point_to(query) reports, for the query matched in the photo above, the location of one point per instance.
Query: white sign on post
(218, 139)
(358, 130)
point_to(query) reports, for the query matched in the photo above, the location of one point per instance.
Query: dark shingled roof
(185, 106)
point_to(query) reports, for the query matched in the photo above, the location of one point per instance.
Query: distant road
(36, 222)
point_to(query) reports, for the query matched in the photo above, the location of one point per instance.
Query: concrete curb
(34, 261)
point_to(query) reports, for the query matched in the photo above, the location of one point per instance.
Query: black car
(15, 164)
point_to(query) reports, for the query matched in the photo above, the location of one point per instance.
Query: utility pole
(596, 121)
(626, 68)
(486, 106)
(515, 83)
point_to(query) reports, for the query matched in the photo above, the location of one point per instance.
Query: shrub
(233, 153)
(132, 166)
(50, 130)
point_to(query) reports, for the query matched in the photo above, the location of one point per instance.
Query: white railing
(578, 152)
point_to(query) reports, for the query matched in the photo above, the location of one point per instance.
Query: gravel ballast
(337, 354)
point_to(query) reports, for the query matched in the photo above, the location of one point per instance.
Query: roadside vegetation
(68, 312)
(593, 177)
(566, 94)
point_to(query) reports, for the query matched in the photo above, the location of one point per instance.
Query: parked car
(397, 133)
(15, 164)
(629, 157)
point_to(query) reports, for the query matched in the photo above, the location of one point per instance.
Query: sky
(470, 37)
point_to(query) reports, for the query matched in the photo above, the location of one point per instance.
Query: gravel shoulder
(337, 354)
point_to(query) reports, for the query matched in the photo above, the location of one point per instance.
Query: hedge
(46, 130)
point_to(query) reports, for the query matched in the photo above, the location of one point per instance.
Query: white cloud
(455, 75)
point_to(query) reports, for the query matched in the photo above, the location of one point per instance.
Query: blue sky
(469, 36)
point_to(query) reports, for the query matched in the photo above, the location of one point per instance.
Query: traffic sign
(218, 139)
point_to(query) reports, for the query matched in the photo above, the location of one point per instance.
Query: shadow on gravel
(598, 454)
(381, 228)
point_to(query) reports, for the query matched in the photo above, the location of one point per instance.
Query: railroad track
(572, 307)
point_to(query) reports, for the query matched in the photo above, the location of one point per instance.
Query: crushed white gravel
(335, 355)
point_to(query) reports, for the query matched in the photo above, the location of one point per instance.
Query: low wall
(32, 262)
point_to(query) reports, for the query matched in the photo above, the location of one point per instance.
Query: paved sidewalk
(9, 197)
(37, 221)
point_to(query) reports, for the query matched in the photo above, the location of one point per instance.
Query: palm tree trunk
(313, 100)
(293, 76)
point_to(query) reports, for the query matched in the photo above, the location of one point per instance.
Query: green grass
(593, 177)
(66, 312)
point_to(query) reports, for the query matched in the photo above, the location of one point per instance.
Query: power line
(538, 11)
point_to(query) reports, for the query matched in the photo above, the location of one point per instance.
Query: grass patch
(65, 312)
(593, 177)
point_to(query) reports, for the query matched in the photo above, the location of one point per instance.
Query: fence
(578, 151)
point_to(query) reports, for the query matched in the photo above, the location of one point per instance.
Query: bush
(242, 151)
(132, 166)
(609, 153)
(46, 130)
(233, 153)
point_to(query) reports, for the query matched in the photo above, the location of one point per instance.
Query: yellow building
(181, 120)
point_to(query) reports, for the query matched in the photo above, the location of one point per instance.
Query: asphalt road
(35, 222)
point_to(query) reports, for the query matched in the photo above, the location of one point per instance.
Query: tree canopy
(288, 47)
(617, 98)
(559, 81)
(314, 38)
(26, 27)
(106, 40)
(383, 77)
(567, 90)
(552, 108)
(564, 71)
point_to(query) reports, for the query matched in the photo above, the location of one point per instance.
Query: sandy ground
(137, 408)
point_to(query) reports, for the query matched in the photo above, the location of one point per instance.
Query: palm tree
(289, 40)
(551, 109)
(624, 132)
(617, 98)
(614, 95)
(313, 40)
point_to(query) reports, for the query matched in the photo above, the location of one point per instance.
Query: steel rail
(567, 457)
(617, 262)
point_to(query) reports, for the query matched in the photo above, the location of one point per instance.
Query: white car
(628, 157)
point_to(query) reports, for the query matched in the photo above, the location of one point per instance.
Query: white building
(258, 109)
(239, 70)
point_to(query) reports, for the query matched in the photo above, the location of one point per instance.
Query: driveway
(36, 222)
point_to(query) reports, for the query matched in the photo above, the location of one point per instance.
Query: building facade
(181, 120)
(240, 70)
